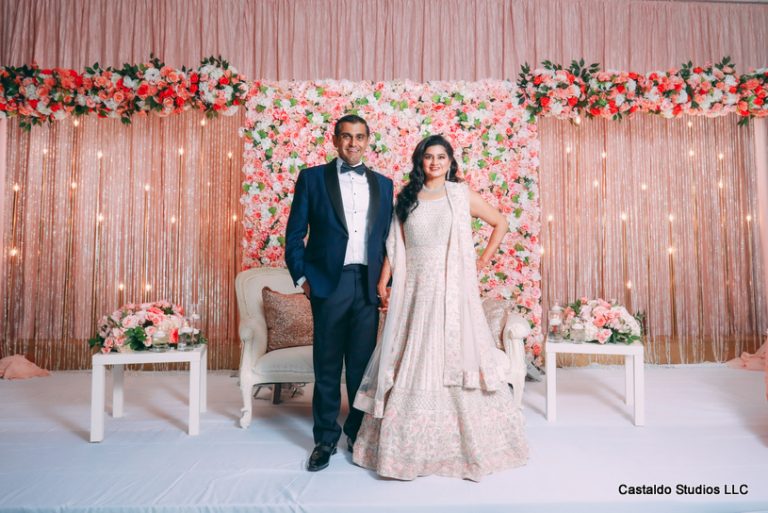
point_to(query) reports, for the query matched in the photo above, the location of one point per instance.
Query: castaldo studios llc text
(684, 489)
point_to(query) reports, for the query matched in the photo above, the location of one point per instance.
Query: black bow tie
(359, 169)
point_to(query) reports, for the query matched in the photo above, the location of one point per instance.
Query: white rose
(152, 75)
(682, 97)
(31, 92)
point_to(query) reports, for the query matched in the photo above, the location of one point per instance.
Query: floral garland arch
(36, 95)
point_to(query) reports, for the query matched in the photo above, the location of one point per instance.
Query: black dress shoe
(350, 445)
(320, 457)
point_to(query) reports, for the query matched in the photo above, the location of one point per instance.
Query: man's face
(351, 142)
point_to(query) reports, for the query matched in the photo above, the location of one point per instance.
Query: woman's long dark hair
(407, 199)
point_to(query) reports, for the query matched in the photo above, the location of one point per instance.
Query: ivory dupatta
(469, 346)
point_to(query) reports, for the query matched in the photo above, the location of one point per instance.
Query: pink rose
(603, 336)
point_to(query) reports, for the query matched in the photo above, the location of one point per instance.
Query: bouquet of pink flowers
(600, 321)
(713, 89)
(612, 94)
(664, 93)
(132, 327)
(753, 90)
(220, 88)
(553, 90)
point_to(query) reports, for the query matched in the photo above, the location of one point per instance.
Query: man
(347, 209)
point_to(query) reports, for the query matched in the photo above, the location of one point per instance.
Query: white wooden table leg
(639, 369)
(551, 367)
(97, 402)
(629, 380)
(117, 390)
(204, 381)
(194, 397)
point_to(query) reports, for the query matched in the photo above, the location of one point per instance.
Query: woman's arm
(478, 207)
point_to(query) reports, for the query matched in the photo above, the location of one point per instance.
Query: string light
(146, 187)
(76, 122)
(690, 124)
(99, 154)
(691, 153)
(749, 217)
(577, 120)
(550, 218)
(13, 252)
(209, 184)
(16, 187)
(643, 186)
(720, 156)
(229, 155)
(541, 250)
(181, 151)
(73, 185)
(147, 287)
(234, 217)
(671, 217)
(100, 218)
(121, 287)
(629, 284)
(202, 122)
(173, 219)
(595, 183)
(603, 154)
(720, 184)
(567, 149)
(670, 250)
(45, 151)
(623, 216)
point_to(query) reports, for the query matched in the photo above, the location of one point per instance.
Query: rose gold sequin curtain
(704, 300)
(660, 215)
(156, 217)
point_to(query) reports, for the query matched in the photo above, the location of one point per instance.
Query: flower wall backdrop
(289, 127)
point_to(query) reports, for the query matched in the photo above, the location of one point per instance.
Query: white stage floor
(706, 425)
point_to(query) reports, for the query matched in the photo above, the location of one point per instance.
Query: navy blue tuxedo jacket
(317, 207)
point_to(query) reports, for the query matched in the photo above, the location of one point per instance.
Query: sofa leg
(276, 387)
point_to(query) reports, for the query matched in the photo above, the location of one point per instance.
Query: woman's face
(436, 162)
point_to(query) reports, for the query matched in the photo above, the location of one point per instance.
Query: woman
(434, 393)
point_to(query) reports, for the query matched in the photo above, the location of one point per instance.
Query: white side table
(198, 369)
(634, 380)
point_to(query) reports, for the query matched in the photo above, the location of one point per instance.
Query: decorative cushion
(289, 319)
(496, 315)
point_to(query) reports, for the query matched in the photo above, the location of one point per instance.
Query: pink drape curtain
(382, 39)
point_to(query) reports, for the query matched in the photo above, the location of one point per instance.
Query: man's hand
(305, 286)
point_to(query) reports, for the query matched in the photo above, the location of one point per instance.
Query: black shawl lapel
(334, 192)
(374, 202)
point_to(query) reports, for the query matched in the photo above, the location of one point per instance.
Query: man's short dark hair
(350, 118)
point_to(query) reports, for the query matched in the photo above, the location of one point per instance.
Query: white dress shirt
(355, 197)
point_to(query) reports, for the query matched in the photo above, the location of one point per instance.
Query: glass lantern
(555, 322)
(578, 332)
(159, 341)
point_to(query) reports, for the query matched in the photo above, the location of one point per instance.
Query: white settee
(294, 364)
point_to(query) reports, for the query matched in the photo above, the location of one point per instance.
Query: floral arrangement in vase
(599, 321)
(137, 327)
